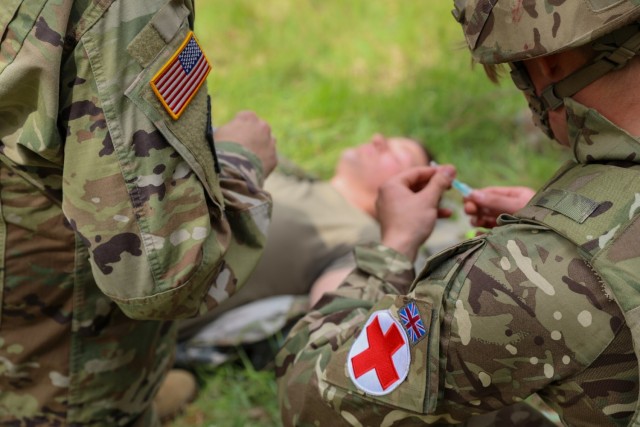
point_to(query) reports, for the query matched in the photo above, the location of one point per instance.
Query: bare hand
(485, 205)
(407, 207)
(253, 133)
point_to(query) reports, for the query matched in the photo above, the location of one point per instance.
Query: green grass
(326, 74)
(233, 396)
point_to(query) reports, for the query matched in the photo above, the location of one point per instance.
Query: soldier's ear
(558, 66)
(546, 70)
(548, 67)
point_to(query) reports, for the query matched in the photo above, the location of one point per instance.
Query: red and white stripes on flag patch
(180, 78)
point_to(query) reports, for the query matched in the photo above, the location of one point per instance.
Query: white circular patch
(533, 360)
(13, 218)
(566, 359)
(182, 170)
(557, 315)
(485, 379)
(59, 380)
(199, 233)
(121, 218)
(556, 335)
(585, 318)
(379, 358)
(548, 370)
(179, 236)
(511, 349)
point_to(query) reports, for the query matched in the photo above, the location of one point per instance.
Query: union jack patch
(412, 322)
(180, 78)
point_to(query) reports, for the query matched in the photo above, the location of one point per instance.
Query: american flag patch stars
(179, 79)
(412, 322)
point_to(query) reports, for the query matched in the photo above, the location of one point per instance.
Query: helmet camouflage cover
(500, 31)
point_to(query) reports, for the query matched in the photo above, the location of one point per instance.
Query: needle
(463, 188)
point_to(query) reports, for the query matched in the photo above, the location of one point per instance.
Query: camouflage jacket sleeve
(191, 236)
(485, 324)
(167, 235)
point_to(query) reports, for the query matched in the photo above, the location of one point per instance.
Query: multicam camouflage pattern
(533, 412)
(313, 230)
(500, 31)
(111, 210)
(525, 309)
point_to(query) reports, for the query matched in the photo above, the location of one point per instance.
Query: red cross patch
(379, 358)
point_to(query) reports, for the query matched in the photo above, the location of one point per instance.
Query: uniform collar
(595, 139)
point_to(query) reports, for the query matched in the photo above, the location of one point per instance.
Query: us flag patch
(179, 79)
(412, 322)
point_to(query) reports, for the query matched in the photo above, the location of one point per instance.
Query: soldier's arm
(328, 282)
(166, 234)
(407, 208)
(496, 327)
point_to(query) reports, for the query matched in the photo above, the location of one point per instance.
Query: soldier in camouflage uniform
(547, 302)
(116, 215)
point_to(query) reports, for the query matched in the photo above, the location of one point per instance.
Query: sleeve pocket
(409, 395)
(153, 49)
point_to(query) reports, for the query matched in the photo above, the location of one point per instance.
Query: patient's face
(374, 162)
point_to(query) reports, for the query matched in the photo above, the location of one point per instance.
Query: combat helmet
(511, 31)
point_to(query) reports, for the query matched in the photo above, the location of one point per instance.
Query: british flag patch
(412, 322)
(179, 79)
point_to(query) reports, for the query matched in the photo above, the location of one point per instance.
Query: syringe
(463, 188)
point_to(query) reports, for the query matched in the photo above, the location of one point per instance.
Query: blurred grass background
(326, 74)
